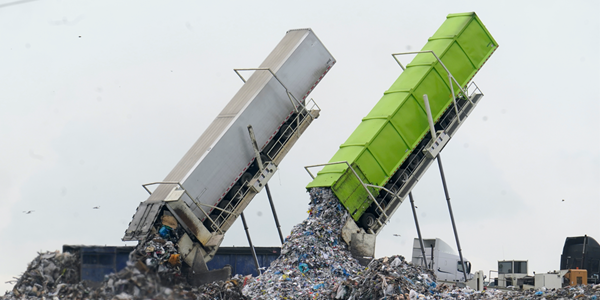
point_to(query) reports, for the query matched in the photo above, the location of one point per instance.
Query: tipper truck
(383, 159)
(239, 151)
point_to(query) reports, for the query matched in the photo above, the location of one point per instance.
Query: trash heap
(159, 256)
(313, 258)
(154, 271)
(583, 292)
(390, 277)
(50, 274)
(130, 284)
(316, 264)
(577, 292)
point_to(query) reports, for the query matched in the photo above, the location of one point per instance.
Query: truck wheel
(223, 204)
(264, 159)
(234, 189)
(367, 220)
(383, 204)
(217, 218)
(271, 148)
(286, 131)
(245, 178)
(414, 161)
(209, 224)
(392, 188)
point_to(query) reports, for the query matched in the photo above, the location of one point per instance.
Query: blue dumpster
(97, 261)
(241, 261)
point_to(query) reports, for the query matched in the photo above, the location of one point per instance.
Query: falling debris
(315, 263)
(314, 260)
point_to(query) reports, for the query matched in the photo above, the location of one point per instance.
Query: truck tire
(270, 147)
(286, 131)
(245, 178)
(383, 204)
(392, 188)
(264, 158)
(217, 217)
(367, 220)
(414, 161)
(234, 189)
(223, 203)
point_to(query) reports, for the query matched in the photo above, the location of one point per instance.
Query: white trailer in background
(218, 177)
(550, 280)
(442, 259)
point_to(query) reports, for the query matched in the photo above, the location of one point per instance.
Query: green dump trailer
(373, 171)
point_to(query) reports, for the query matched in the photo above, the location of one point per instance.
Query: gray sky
(99, 97)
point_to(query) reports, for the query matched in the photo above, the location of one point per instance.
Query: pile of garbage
(50, 274)
(314, 264)
(577, 292)
(313, 261)
(390, 278)
(154, 271)
(159, 256)
(130, 284)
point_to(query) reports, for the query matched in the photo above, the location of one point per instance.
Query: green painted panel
(411, 121)
(329, 174)
(452, 26)
(397, 123)
(459, 65)
(476, 43)
(371, 167)
(387, 148)
(438, 92)
(387, 106)
(365, 132)
(408, 80)
(351, 192)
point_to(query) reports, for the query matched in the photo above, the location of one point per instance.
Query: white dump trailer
(218, 177)
(442, 259)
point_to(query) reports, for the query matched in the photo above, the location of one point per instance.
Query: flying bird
(97, 207)
(28, 211)
(563, 200)
(395, 234)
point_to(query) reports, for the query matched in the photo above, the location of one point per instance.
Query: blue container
(241, 261)
(97, 261)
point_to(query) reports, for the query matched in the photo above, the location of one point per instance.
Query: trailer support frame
(439, 160)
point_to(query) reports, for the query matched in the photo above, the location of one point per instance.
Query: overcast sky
(100, 97)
